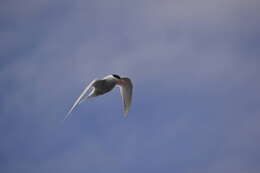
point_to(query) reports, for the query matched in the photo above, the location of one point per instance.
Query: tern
(103, 86)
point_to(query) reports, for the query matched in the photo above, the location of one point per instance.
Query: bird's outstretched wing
(126, 89)
(82, 97)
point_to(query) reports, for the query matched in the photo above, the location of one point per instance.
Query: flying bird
(103, 86)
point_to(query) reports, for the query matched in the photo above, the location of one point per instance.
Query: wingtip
(67, 116)
(125, 114)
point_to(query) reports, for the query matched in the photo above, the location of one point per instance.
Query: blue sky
(195, 68)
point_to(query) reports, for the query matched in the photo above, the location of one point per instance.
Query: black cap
(116, 76)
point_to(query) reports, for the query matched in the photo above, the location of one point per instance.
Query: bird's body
(102, 86)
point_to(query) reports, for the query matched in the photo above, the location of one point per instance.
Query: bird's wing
(126, 89)
(82, 96)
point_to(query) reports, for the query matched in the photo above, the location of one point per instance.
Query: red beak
(120, 81)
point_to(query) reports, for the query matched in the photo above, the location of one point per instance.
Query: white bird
(102, 86)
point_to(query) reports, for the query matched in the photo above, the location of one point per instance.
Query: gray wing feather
(126, 90)
(82, 97)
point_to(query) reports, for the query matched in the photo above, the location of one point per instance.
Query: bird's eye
(116, 76)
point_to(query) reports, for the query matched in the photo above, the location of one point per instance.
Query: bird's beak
(120, 81)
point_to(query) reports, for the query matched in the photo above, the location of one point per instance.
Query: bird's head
(118, 78)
